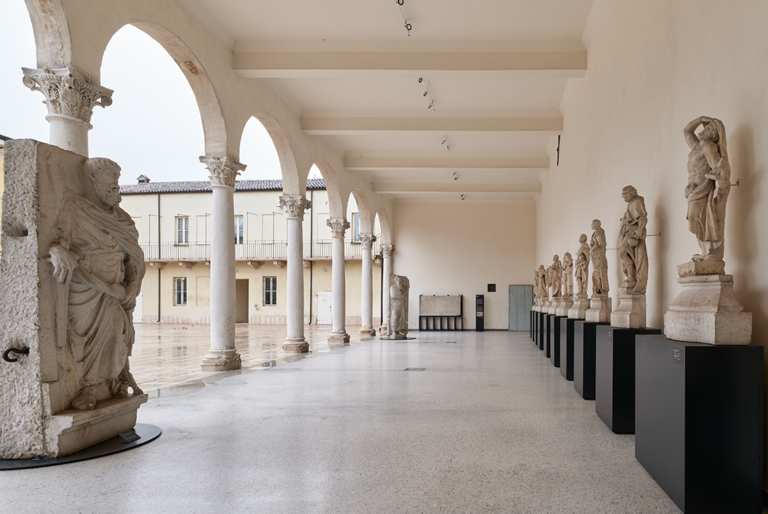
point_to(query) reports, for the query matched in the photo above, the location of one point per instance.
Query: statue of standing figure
(399, 287)
(567, 275)
(597, 247)
(709, 183)
(557, 277)
(582, 267)
(632, 249)
(543, 284)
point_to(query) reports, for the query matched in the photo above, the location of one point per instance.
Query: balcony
(249, 251)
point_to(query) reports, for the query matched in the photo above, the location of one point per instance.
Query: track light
(446, 143)
(426, 93)
(463, 198)
(407, 25)
(455, 175)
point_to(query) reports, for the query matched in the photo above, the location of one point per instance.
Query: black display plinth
(542, 328)
(548, 336)
(535, 328)
(554, 349)
(615, 376)
(566, 348)
(531, 326)
(699, 423)
(584, 342)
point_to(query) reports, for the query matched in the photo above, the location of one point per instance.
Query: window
(238, 230)
(182, 230)
(356, 228)
(180, 291)
(270, 290)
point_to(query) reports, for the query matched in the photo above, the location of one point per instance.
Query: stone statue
(536, 292)
(582, 267)
(99, 258)
(557, 277)
(543, 284)
(632, 249)
(399, 287)
(709, 183)
(597, 247)
(568, 275)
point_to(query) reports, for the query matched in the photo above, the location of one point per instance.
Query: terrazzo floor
(488, 426)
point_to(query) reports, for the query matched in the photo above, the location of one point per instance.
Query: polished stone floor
(488, 426)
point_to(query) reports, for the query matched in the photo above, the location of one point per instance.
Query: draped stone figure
(557, 277)
(543, 284)
(567, 275)
(597, 247)
(582, 267)
(399, 287)
(632, 249)
(709, 183)
(98, 256)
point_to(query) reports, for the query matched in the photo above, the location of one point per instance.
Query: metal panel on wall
(520, 303)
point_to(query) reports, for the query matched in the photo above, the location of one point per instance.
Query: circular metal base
(117, 444)
(385, 338)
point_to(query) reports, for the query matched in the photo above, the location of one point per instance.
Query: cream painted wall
(450, 248)
(655, 65)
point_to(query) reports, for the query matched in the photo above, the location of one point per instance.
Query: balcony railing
(252, 250)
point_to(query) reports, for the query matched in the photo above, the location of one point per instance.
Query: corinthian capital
(367, 240)
(67, 92)
(295, 205)
(223, 170)
(387, 250)
(338, 227)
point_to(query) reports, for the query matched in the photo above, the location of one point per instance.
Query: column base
(383, 329)
(341, 337)
(367, 330)
(221, 360)
(296, 345)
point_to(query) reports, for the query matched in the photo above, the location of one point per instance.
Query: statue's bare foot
(136, 390)
(697, 258)
(86, 400)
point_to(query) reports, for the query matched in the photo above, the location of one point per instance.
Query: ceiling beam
(373, 163)
(336, 126)
(455, 187)
(406, 64)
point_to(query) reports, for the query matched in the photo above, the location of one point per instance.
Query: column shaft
(367, 285)
(338, 285)
(386, 268)
(294, 208)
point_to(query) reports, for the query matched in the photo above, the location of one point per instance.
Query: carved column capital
(338, 227)
(67, 92)
(223, 170)
(367, 240)
(295, 205)
(387, 250)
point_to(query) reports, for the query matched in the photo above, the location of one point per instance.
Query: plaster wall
(655, 65)
(461, 248)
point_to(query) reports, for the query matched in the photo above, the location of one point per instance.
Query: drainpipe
(159, 254)
(311, 254)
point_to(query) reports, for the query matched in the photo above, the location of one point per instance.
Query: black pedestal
(554, 350)
(542, 329)
(548, 336)
(535, 328)
(566, 348)
(531, 327)
(699, 423)
(584, 342)
(615, 376)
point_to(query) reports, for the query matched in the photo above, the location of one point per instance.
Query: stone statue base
(599, 309)
(579, 308)
(630, 312)
(565, 305)
(699, 268)
(706, 311)
(553, 305)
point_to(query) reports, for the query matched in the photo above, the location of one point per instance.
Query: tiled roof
(204, 186)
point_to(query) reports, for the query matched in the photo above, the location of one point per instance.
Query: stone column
(338, 287)
(386, 268)
(367, 240)
(222, 355)
(70, 98)
(294, 208)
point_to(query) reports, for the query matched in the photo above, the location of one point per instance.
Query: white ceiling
(354, 60)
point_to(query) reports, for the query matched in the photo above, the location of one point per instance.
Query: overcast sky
(152, 128)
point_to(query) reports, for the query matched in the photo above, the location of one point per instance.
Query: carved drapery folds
(223, 170)
(338, 227)
(295, 205)
(387, 250)
(67, 92)
(367, 240)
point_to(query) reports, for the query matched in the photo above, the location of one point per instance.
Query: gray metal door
(520, 303)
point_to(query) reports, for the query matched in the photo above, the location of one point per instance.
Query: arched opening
(263, 133)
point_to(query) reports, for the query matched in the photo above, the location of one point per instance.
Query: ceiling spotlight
(446, 143)
(455, 175)
(407, 25)
(462, 198)
(426, 93)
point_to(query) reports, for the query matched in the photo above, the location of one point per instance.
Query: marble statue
(632, 249)
(582, 267)
(600, 304)
(557, 277)
(597, 247)
(399, 287)
(706, 310)
(568, 275)
(630, 313)
(709, 183)
(98, 257)
(543, 284)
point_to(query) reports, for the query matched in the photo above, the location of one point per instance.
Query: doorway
(241, 301)
(324, 308)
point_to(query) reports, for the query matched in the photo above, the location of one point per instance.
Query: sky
(153, 127)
